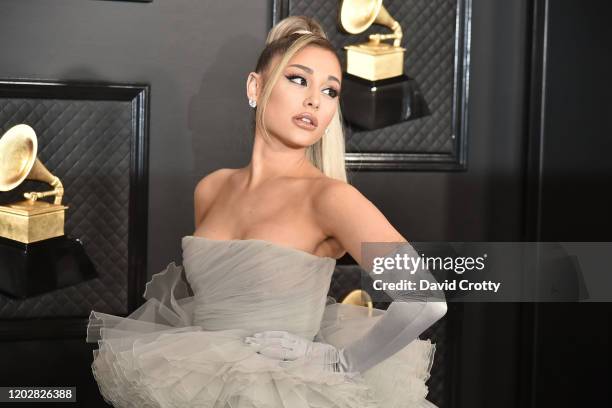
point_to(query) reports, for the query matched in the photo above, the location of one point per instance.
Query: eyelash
(291, 77)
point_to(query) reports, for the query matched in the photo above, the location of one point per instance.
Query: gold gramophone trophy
(359, 297)
(29, 220)
(376, 92)
(35, 255)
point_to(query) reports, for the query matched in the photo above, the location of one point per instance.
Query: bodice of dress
(256, 285)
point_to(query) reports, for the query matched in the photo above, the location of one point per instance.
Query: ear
(253, 85)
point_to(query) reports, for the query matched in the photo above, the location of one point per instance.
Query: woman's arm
(351, 219)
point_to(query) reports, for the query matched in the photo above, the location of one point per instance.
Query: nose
(312, 101)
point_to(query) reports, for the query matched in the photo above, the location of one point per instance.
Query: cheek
(331, 113)
(279, 111)
(282, 93)
(286, 102)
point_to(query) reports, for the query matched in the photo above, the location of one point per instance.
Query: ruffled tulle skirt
(155, 358)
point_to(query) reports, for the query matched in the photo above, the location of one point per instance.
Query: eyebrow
(309, 70)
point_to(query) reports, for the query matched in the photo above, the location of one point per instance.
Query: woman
(255, 330)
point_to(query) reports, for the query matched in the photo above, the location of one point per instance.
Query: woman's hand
(286, 346)
(279, 344)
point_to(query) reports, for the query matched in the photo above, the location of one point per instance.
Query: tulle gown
(185, 348)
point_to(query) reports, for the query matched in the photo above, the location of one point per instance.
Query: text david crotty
(464, 284)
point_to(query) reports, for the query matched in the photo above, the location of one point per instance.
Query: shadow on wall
(219, 116)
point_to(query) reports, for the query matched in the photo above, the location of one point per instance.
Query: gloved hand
(410, 313)
(286, 346)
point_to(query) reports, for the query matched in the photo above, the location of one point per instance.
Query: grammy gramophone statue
(359, 297)
(29, 220)
(35, 255)
(375, 91)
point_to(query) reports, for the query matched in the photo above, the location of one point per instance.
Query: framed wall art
(429, 133)
(94, 138)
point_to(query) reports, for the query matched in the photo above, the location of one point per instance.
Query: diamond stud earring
(252, 103)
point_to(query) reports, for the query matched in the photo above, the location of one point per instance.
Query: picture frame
(94, 137)
(437, 142)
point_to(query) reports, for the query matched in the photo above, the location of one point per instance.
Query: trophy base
(376, 104)
(31, 269)
(31, 221)
(374, 62)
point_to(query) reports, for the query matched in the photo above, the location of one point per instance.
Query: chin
(300, 138)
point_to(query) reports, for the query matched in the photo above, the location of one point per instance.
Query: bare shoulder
(213, 180)
(206, 190)
(333, 195)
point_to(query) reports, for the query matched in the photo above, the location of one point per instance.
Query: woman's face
(308, 88)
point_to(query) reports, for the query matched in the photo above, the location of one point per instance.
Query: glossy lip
(314, 121)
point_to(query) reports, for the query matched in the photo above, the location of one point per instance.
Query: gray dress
(186, 349)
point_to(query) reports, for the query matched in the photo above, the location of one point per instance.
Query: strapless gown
(184, 347)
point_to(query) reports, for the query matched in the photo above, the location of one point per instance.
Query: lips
(305, 120)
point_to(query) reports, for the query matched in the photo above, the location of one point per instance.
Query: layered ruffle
(398, 381)
(155, 357)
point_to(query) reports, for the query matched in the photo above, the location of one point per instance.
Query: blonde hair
(286, 38)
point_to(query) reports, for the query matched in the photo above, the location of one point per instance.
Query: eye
(292, 77)
(333, 93)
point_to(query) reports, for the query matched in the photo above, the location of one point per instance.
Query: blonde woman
(248, 324)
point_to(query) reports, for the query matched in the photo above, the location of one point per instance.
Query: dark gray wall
(196, 56)
(485, 203)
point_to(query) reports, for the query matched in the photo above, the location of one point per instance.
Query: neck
(272, 159)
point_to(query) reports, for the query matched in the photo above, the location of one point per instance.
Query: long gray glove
(410, 313)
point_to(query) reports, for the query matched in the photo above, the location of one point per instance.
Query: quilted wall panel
(86, 143)
(436, 36)
(429, 38)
